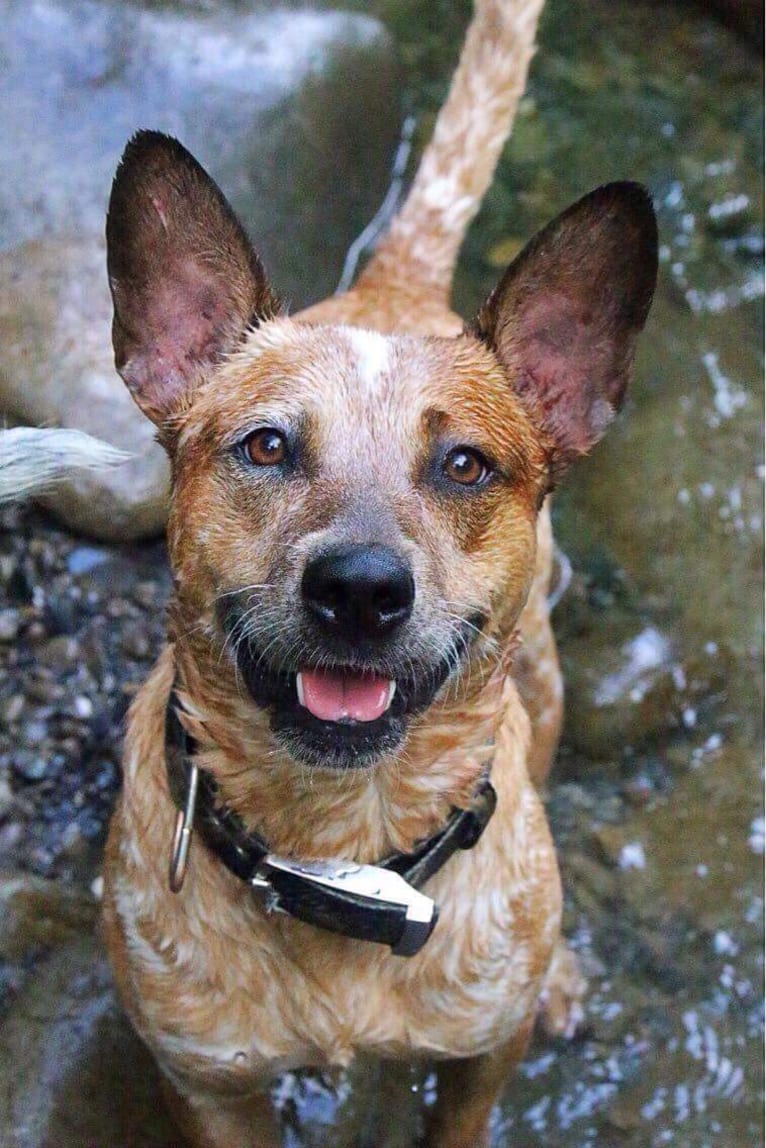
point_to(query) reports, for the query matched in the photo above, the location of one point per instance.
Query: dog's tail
(422, 245)
(34, 459)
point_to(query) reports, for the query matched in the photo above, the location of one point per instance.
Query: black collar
(369, 902)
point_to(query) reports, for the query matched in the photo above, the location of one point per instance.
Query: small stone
(135, 643)
(36, 632)
(10, 836)
(6, 796)
(59, 652)
(118, 608)
(148, 595)
(83, 707)
(35, 732)
(11, 709)
(83, 559)
(10, 622)
(30, 766)
(625, 1113)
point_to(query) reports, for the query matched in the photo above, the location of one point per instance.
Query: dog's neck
(365, 814)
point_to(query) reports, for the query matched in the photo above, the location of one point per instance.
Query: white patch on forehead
(371, 350)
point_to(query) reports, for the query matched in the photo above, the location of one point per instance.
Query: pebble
(11, 708)
(83, 707)
(58, 653)
(36, 632)
(83, 559)
(34, 732)
(135, 643)
(6, 796)
(30, 766)
(43, 688)
(148, 595)
(10, 623)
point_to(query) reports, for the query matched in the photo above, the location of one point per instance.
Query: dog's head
(353, 514)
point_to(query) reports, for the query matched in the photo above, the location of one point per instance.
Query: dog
(329, 838)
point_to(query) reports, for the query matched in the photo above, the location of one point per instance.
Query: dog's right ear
(185, 280)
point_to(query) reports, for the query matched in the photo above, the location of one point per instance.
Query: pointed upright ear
(564, 318)
(185, 280)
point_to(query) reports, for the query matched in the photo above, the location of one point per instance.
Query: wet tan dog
(360, 542)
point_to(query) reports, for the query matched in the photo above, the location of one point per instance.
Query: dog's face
(351, 526)
(353, 515)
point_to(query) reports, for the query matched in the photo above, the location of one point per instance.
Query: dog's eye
(466, 466)
(266, 447)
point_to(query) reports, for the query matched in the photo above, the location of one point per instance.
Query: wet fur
(373, 385)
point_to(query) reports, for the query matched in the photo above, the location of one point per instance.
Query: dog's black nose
(359, 591)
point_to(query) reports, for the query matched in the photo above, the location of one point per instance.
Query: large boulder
(56, 369)
(294, 112)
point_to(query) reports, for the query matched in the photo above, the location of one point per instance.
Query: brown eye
(266, 447)
(466, 466)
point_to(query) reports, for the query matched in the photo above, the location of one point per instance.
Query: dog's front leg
(467, 1091)
(222, 1120)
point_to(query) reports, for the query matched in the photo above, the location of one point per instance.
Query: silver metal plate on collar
(379, 887)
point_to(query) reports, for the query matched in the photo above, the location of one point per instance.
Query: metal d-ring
(182, 835)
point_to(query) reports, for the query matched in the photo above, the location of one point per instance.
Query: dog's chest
(287, 995)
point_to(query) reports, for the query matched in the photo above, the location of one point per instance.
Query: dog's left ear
(185, 280)
(564, 318)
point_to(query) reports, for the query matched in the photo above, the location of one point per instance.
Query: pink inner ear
(185, 279)
(184, 326)
(568, 368)
(191, 312)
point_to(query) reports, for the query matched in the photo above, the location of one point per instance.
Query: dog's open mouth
(344, 717)
(344, 695)
(340, 718)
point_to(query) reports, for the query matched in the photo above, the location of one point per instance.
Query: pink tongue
(335, 696)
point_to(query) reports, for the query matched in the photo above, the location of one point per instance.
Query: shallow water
(657, 798)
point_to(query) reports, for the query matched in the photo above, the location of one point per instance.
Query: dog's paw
(561, 1000)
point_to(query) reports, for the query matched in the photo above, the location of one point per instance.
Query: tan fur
(226, 995)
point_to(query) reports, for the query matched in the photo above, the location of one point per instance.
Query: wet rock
(56, 368)
(64, 1044)
(88, 74)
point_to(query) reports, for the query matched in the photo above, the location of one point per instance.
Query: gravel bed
(80, 625)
